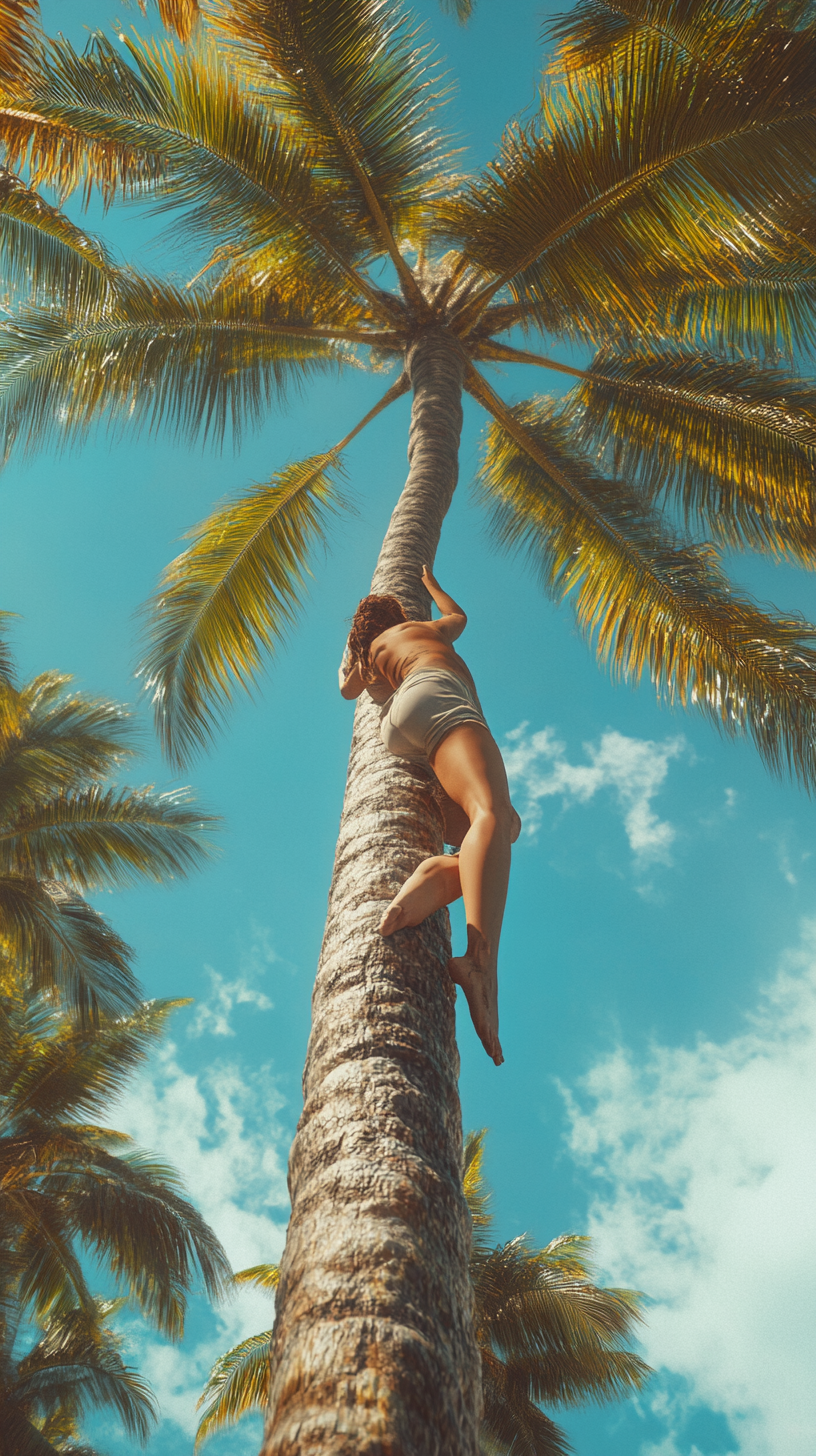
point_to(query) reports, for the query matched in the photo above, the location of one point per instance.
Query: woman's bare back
(403, 649)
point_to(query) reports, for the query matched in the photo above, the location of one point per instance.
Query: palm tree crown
(652, 209)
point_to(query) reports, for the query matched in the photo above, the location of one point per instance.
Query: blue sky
(658, 972)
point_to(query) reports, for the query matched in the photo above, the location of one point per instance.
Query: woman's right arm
(453, 621)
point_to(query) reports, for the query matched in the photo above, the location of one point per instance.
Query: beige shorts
(424, 709)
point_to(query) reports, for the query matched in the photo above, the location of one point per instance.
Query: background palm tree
(545, 1332)
(652, 210)
(64, 832)
(70, 1187)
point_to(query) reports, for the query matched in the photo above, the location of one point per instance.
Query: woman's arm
(453, 620)
(351, 683)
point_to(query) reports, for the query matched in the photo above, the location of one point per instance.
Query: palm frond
(231, 595)
(76, 1364)
(354, 77)
(19, 33)
(104, 838)
(195, 361)
(648, 601)
(66, 947)
(462, 9)
(236, 1384)
(639, 181)
(512, 1425)
(734, 441)
(721, 35)
(477, 1194)
(45, 255)
(127, 1212)
(773, 311)
(57, 739)
(181, 123)
(74, 1074)
(179, 15)
(263, 1276)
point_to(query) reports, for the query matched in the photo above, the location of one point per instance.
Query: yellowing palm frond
(179, 15)
(773, 311)
(55, 739)
(736, 442)
(104, 838)
(18, 36)
(232, 594)
(353, 77)
(263, 1276)
(634, 181)
(45, 255)
(237, 1384)
(155, 355)
(721, 34)
(75, 1072)
(650, 602)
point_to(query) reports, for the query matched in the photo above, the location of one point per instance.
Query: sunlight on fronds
(734, 441)
(231, 596)
(641, 180)
(107, 838)
(356, 79)
(649, 602)
(195, 362)
(263, 1276)
(237, 1384)
(19, 31)
(178, 15)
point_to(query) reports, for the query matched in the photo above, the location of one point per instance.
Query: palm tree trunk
(373, 1352)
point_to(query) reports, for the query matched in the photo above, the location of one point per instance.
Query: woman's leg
(470, 769)
(433, 884)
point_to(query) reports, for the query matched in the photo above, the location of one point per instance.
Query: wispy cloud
(707, 1182)
(634, 769)
(221, 1129)
(213, 1015)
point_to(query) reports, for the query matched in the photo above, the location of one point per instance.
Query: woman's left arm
(454, 620)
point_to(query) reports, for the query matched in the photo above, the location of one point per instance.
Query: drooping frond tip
(231, 596)
(651, 602)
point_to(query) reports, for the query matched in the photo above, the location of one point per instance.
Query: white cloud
(707, 1177)
(213, 1015)
(220, 1129)
(633, 768)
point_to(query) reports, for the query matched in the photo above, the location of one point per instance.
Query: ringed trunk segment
(373, 1351)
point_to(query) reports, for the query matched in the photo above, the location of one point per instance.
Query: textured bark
(373, 1352)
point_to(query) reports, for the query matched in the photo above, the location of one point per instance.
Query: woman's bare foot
(475, 972)
(433, 884)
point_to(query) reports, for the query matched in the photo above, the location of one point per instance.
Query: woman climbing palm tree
(430, 712)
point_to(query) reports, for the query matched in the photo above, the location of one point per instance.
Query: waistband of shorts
(436, 672)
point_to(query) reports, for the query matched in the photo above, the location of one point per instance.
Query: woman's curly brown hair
(373, 616)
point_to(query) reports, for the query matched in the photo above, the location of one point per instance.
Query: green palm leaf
(18, 36)
(647, 600)
(633, 182)
(774, 311)
(66, 946)
(237, 1383)
(181, 121)
(75, 1073)
(736, 442)
(232, 594)
(353, 77)
(55, 739)
(197, 362)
